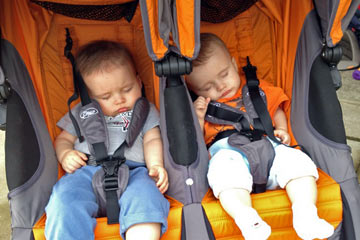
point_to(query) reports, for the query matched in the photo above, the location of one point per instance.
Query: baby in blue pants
(110, 77)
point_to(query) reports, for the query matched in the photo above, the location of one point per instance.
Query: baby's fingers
(82, 155)
(164, 187)
(162, 182)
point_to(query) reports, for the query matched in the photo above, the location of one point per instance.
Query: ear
(233, 61)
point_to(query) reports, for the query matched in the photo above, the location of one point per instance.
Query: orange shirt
(275, 97)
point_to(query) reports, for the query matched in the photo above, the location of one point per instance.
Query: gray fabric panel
(21, 233)
(98, 186)
(175, 28)
(187, 184)
(337, 233)
(327, 11)
(250, 109)
(197, 8)
(138, 118)
(260, 155)
(146, 28)
(92, 124)
(195, 227)
(333, 158)
(351, 191)
(165, 21)
(27, 202)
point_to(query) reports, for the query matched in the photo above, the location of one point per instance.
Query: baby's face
(116, 89)
(217, 78)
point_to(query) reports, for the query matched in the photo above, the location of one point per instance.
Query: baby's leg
(72, 206)
(237, 203)
(296, 172)
(143, 209)
(231, 181)
(307, 224)
(138, 231)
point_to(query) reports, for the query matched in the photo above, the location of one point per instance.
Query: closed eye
(206, 88)
(105, 97)
(224, 74)
(128, 89)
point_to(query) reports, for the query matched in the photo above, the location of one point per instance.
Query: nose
(119, 99)
(220, 85)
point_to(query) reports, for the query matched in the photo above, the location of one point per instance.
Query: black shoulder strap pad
(138, 118)
(220, 113)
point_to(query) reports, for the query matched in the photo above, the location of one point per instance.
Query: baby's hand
(200, 106)
(73, 160)
(283, 135)
(159, 174)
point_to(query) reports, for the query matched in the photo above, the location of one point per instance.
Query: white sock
(307, 223)
(251, 225)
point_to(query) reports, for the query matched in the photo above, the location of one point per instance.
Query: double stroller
(294, 45)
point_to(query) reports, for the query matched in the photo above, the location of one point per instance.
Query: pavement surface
(348, 94)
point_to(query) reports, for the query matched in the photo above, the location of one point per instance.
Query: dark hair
(207, 41)
(102, 54)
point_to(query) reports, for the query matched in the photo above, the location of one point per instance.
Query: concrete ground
(349, 95)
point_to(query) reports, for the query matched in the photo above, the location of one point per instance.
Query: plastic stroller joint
(173, 65)
(332, 56)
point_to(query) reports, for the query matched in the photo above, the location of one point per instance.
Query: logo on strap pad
(88, 113)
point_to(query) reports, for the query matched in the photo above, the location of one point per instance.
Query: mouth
(121, 110)
(227, 92)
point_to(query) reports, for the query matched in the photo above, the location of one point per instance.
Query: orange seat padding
(273, 206)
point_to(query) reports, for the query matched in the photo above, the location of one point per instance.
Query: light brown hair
(207, 41)
(98, 56)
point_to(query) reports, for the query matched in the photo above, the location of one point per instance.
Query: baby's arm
(281, 130)
(69, 158)
(153, 154)
(200, 106)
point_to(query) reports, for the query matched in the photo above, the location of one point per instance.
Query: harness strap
(77, 81)
(227, 115)
(110, 164)
(111, 184)
(253, 85)
(113, 162)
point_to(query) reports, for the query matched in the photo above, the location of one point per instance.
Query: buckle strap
(259, 105)
(111, 166)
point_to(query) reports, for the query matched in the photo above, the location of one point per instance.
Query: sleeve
(153, 119)
(275, 97)
(65, 123)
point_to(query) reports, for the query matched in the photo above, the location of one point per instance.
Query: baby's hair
(100, 55)
(207, 41)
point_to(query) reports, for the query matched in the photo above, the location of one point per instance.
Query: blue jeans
(72, 207)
